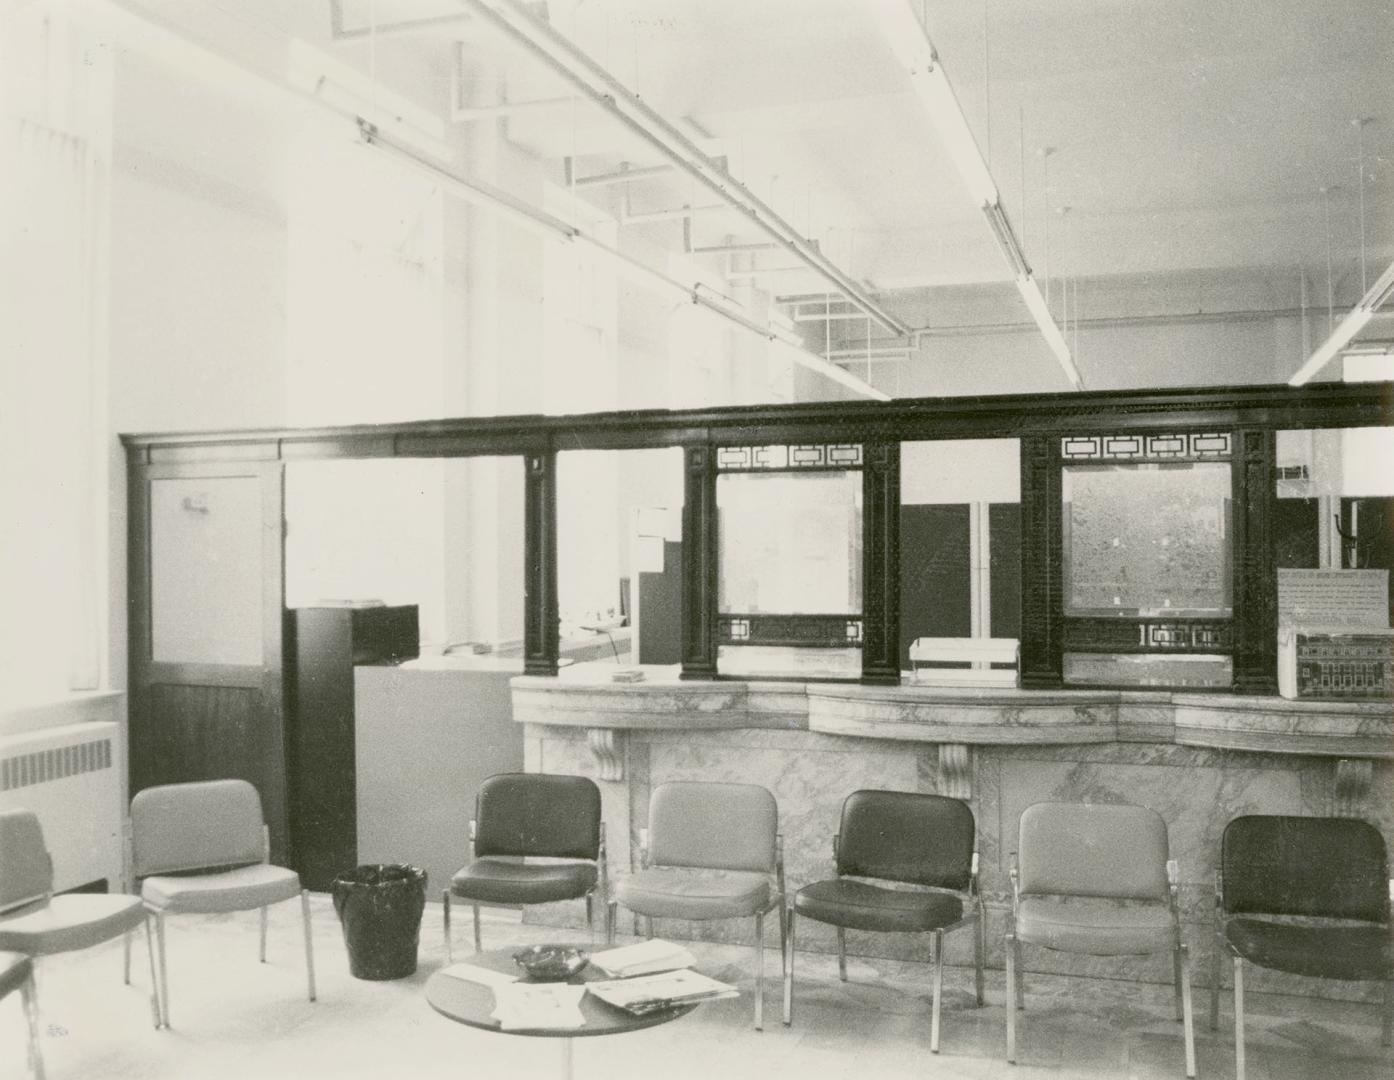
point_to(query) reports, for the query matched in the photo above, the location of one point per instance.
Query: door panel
(206, 630)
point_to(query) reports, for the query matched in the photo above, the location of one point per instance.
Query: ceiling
(1160, 141)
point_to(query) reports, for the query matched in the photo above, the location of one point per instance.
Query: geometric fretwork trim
(1149, 635)
(1143, 446)
(797, 456)
(790, 631)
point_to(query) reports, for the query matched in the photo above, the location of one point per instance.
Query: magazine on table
(538, 1006)
(643, 994)
(643, 958)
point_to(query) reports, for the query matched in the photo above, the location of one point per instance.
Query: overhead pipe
(629, 109)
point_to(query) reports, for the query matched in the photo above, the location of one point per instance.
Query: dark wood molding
(541, 618)
(1011, 415)
(1042, 652)
(699, 563)
(1255, 578)
(881, 563)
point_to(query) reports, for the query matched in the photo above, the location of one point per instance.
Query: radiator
(69, 775)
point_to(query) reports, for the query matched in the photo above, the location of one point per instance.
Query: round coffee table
(471, 1003)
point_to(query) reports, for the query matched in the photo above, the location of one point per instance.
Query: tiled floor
(234, 1018)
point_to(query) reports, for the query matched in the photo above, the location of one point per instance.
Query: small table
(471, 1003)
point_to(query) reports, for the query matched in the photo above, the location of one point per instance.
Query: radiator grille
(41, 766)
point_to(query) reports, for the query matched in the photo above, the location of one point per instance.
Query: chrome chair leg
(478, 941)
(789, 971)
(154, 980)
(29, 999)
(1184, 966)
(590, 915)
(842, 954)
(611, 910)
(164, 967)
(1020, 975)
(1012, 998)
(980, 956)
(1176, 978)
(938, 989)
(648, 927)
(1216, 968)
(759, 971)
(1387, 1024)
(309, 941)
(126, 957)
(445, 911)
(262, 911)
(1238, 1018)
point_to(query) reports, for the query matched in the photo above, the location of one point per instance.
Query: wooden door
(207, 599)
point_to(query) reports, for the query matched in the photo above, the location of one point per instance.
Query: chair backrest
(196, 825)
(26, 870)
(1279, 865)
(904, 836)
(538, 814)
(1105, 850)
(713, 826)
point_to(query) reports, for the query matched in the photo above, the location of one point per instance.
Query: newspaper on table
(643, 994)
(538, 1006)
(643, 958)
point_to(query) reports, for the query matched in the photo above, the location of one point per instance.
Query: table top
(471, 1003)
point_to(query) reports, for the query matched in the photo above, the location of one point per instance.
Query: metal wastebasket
(380, 908)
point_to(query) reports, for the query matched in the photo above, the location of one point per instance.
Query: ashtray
(551, 963)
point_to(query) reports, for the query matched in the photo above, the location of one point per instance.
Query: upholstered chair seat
(238, 889)
(684, 894)
(508, 881)
(1094, 926)
(860, 905)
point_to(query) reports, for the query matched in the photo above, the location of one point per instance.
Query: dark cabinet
(326, 644)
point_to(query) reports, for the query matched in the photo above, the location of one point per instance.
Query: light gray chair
(36, 923)
(1095, 879)
(202, 848)
(17, 973)
(696, 829)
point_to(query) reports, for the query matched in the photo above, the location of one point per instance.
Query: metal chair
(17, 973)
(203, 848)
(923, 840)
(531, 815)
(36, 923)
(695, 828)
(1309, 896)
(1095, 879)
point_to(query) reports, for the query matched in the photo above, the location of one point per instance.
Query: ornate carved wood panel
(540, 613)
(1255, 579)
(881, 563)
(699, 555)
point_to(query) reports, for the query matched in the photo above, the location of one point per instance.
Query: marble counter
(1198, 759)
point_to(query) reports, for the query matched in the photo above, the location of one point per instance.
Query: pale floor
(235, 1018)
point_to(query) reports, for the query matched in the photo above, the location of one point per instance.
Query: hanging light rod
(1379, 294)
(909, 40)
(513, 20)
(549, 226)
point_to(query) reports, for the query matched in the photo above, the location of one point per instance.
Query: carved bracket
(1352, 782)
(608, 747)
(955, 771)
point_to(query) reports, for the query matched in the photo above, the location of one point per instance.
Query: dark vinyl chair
(1096, 879)
(1332, 874)
(696, 828)
(532, 815)
(908, 838)
(17, 973)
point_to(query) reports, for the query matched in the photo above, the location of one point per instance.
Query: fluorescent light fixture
(1035, 303)
(1380, 293)
(909, 40)
(1006, 240)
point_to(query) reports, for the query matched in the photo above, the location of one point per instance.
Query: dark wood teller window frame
(1246, 635)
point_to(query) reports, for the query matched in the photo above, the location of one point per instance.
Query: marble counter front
(1197, 759)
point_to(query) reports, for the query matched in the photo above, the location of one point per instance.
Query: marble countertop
(586, 695)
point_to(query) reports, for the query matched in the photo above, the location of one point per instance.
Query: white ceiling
(1185, 137)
